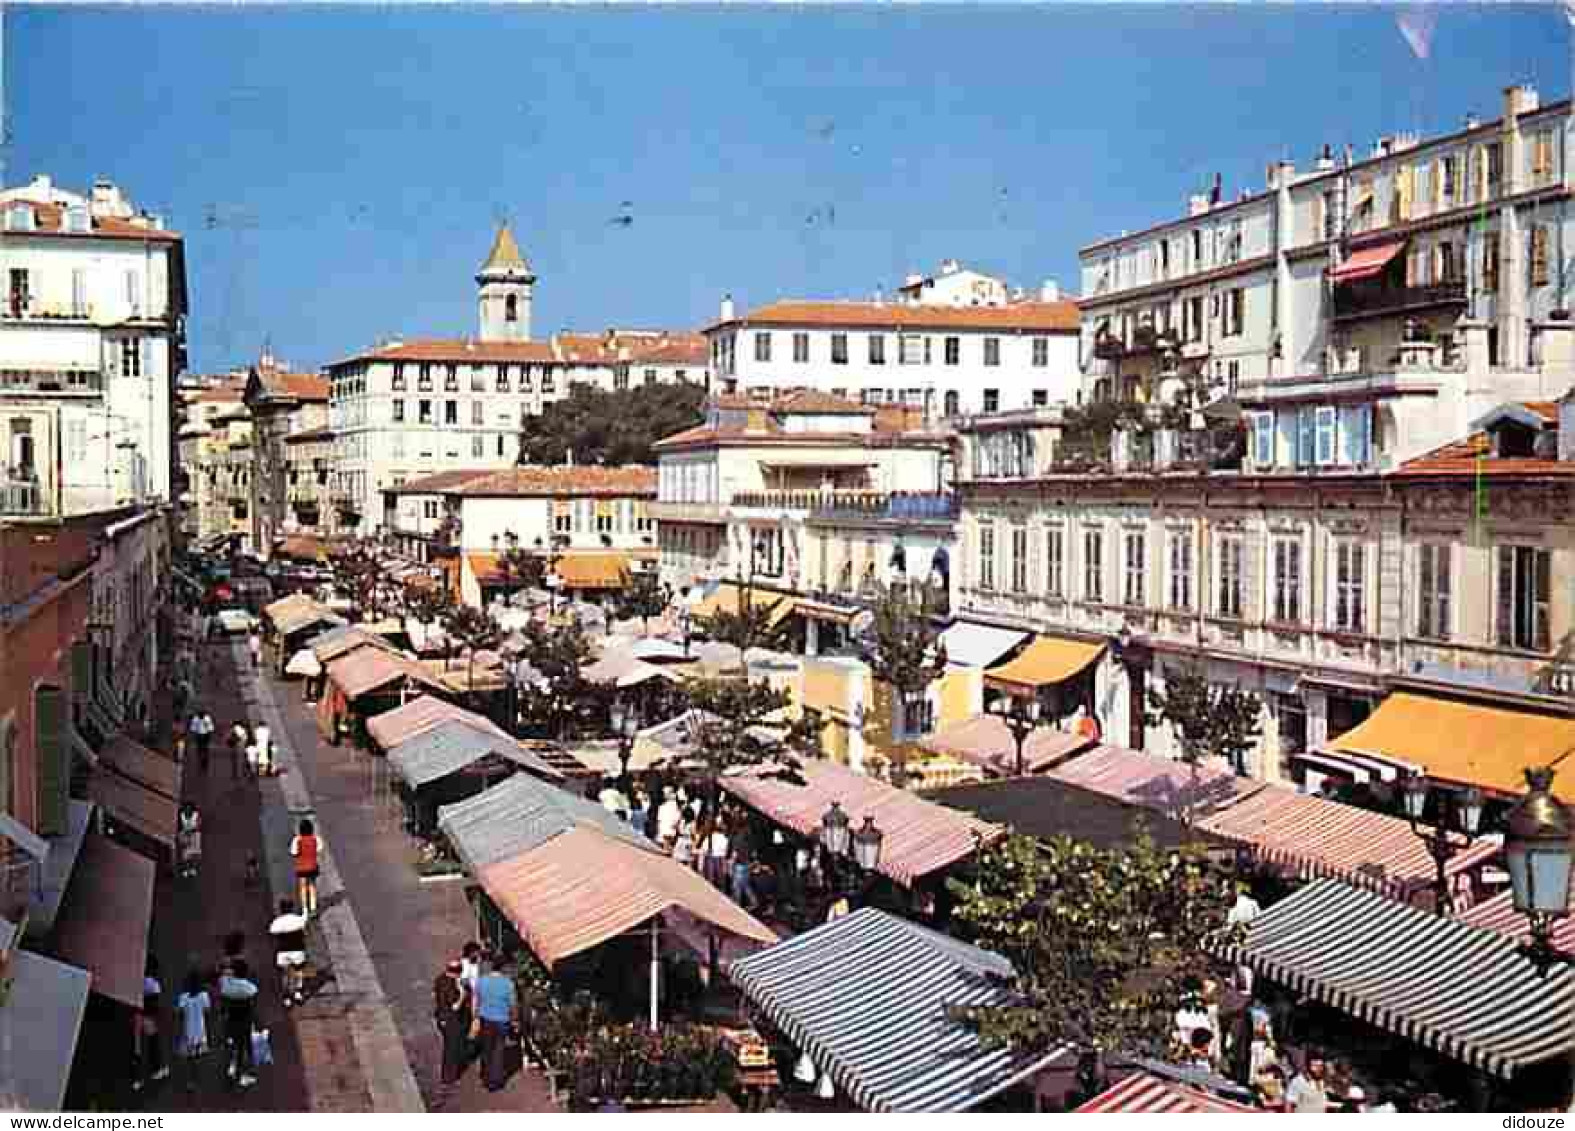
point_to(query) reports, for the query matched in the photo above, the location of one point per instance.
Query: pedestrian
(739, 886)
(669, 816)
(148, 1050)
(193, 1006)
(684, 845)
(640, 809)
(201, 730)
(451, 1012)
(470, 967)
(254, 642)
(262, 738)
(1307, 1093)
(188, 839)
(239, 741)
(178, 738)
(716, 853)
(304, 849)
(289, 939)
(497, 1008)
(238, 996)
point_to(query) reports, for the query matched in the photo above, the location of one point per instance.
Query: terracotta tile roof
(509, 482)
(637, 347)
(1459, 458)
(1059, 317)
(820, 404)
(459, 350)
(300, 386)
(49, 220)
(223, 395)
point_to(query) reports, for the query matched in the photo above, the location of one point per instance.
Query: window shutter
(7, 763)
(1252, 576)
(145, 349)
(1539, 611)
(81, 674)
(1506, 596)
(1034, 576)
(1438, 183)
(54, 778)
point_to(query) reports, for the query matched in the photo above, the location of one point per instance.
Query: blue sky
(338, 171)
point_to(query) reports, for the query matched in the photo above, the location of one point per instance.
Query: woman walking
(188, 839)
(148, 1051)
(304, 848)
(192, 1007)
(451, 1011)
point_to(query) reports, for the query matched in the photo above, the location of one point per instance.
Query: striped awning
(346, 638)
(519, 816)
(583, 887)
(868, 995)
(390, 728)
(986, 741)
(1163, 784)
(1499, 914)
(1312, 837)
(1144, 1094)
(1466, 992)
(454, 745)
(921, 837)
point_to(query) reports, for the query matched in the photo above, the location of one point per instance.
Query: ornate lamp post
(1463, 810)
(625, 724)
(837, 837)
(685, 626)
(1537, 850)
(1022, 717)
(867, 841)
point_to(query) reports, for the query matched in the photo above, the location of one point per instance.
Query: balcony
(1355, 301)
(21, 497)
(80, 381)
(674, 511)
(878, 506)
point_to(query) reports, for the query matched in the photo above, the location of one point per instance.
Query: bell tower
(505, 287)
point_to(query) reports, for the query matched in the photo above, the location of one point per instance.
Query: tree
(471, 631)
(641, 595)
(610, 428)
(520, 569)
(428, 605)
(1206, 718)
(358, 572)
(562, 703)
(749, 626)
(1104, 941)
(729, 718)
(904, 650)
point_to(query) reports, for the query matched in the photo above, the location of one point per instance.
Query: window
(477, 413)
(992, 351)
(992, 400)
(1041, 352)
(549, 381)
(1094, 565)
(1235, 311)
(1231, 577)
(987, 557)
(503, 440)
(130, 357)
(800, 347)
(1019, 559)
(1197, 248)
(910, 349)
(1324, 419)
(762, 345)
(621, 379)
(1542, 156)
(1192, 315)
(1055, 563)
(1524, 581)
(398, 382)
(1181, 570)
(917, 717)
(451, 378)
(424, 412)
(399, 411)
(478, 445)
(604, 521)
(1350, 594)
(1537, 253)
(1041, 398)
(1356, 436)
(839, 349)
(877, 348)
(1419, 265)
(1134, 591)
(502, 383)
(1262, 438)
(1493, 169)
(424, 379)
(1448, 181)
(1490, 257)
(450, 412)
(478, 379)
(952, 402)
(1432, 612)
(1288, 580)
(650, 376)
(562, 520)
(951, 350)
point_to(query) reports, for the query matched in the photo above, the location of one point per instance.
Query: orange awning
(729, 598)
(1047, 661)
(1367, 262)
(582, 888)
(1467, 743)
(593, 570)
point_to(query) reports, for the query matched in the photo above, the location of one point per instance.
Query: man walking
(496, 1008)
(238, 995)
(201, 731)
(451, 1011)
(254, 642)
(240, 739)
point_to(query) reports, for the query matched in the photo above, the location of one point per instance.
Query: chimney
(1325, 162)
(1217, 190)
(42, 185)
(912, 280)
(1197, 205)
(950, 267)
(1472, 121)
(1050, 291)
(727, 308)
(1518, 100)
(880, 296)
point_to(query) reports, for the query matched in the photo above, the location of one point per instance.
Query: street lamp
(625, 724)
(1537, 851)
(685, 626)
(866, 845)
(834, 830)
(1022, 717)
(1466, 810)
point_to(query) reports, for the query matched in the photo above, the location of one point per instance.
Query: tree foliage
(1206, 718)
(641, 595)
(728, 725)
(520, 569)
(611, 428)
(749, 625)
(1104, 941)
(563, 704)
(903, 647)
(470, 631)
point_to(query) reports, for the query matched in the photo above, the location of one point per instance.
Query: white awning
(979, 645)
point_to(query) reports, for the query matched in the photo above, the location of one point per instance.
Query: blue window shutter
(54, 775)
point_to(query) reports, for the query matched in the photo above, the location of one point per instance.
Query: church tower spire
(506, 286)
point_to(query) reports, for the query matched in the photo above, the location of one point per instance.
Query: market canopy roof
(452, 745)
(986, 741)
(103, 924)
(368, 669)
(1499, 914)
(1145, 1094)
(1312, 837)
(390, 728)
(979, 645)
(921, 836)
(1467, 743)
(38, 1026)
(346, 638)
(297, 611)
(867, 997)
(136, 806)
(621, 668)
(583, 887)
(131, 759)
(521, 814)
(729, 596)
(1162, 784)
(1466, 992)
(1366, 263)
(593, 569)
(1047, 661)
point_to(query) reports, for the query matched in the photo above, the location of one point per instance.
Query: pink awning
(1146, 1094)
(986, 742)
(1366, 262)
(1313, 836)
(580, 889)
(921, 836)
(391, 728)
(1499, 914)
(368, 669)
(1162, 784)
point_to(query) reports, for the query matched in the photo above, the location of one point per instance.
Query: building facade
(282, 404)
(958, 343)
(405, 410)
(92, 337)
(201, 406)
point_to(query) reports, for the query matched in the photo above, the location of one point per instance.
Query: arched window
(511, 308)
(953, 405)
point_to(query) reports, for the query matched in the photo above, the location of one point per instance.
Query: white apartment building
(202, 406)
(1364, 311)
(956, 343)
(92, 337)
(406, 409)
